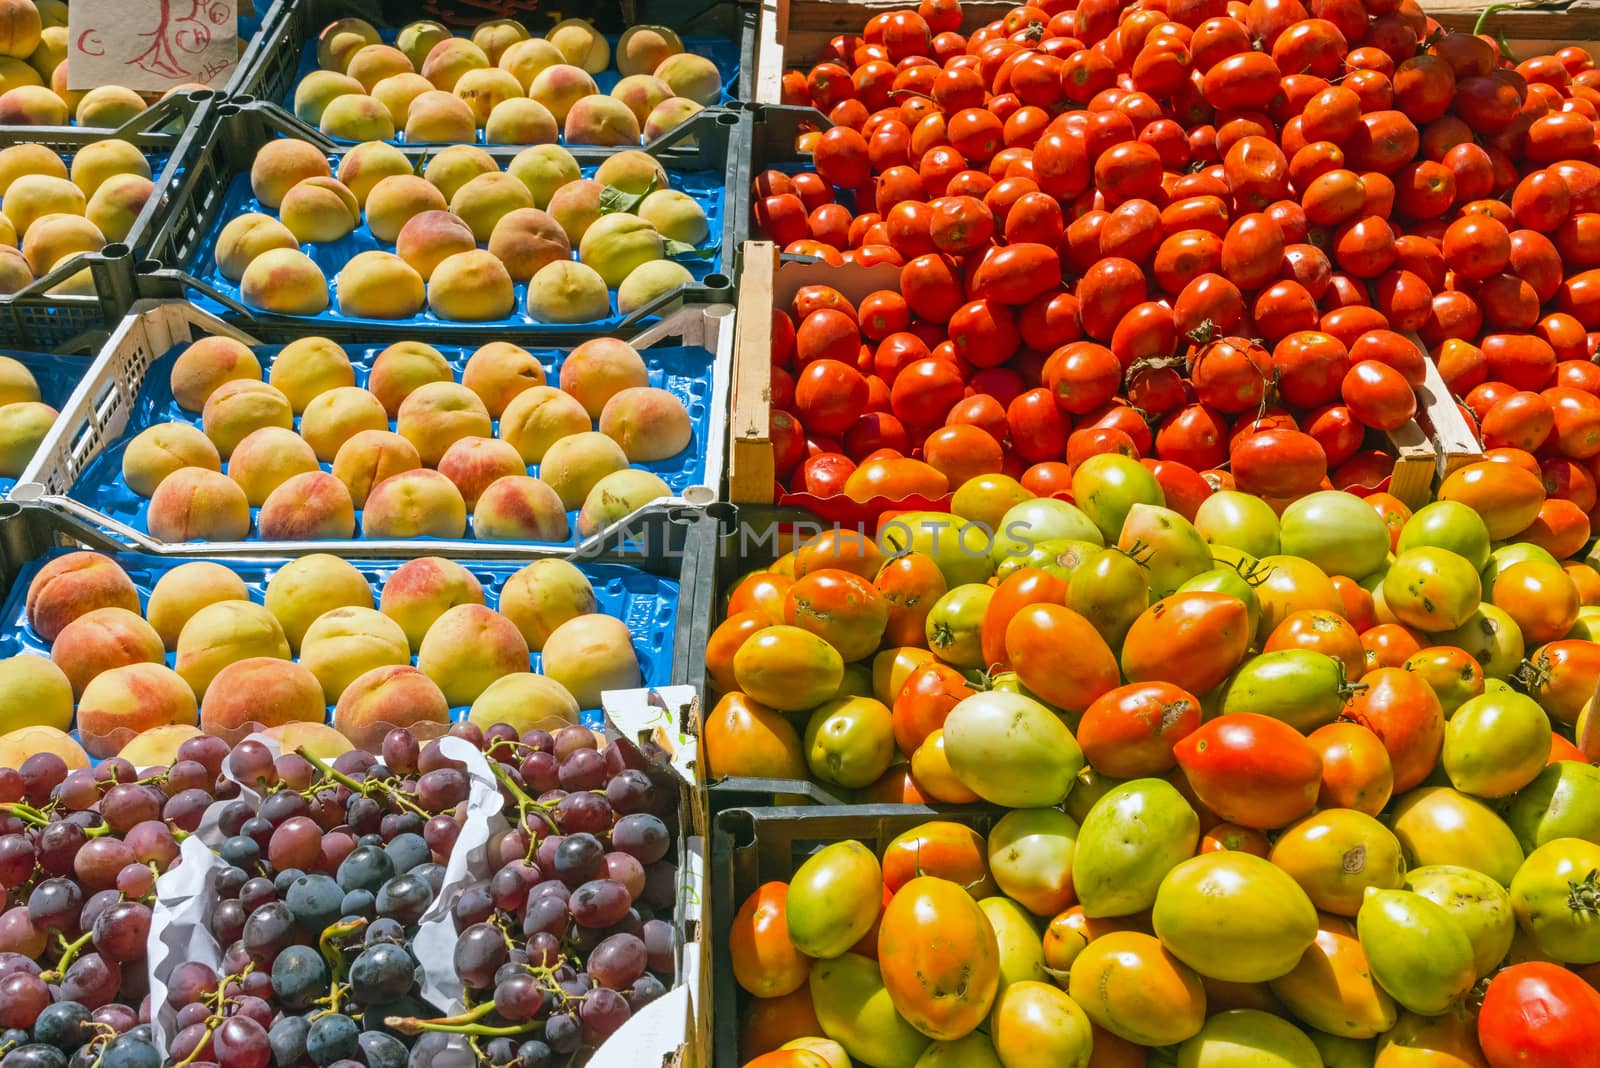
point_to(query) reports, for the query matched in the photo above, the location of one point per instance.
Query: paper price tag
(151, 45)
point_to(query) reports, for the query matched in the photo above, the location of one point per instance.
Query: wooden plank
(750, 467)
(1454, 439)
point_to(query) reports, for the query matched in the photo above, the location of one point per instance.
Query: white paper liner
(180, 929)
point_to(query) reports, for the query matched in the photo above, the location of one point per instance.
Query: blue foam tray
(57, 377)
(685, 372)
(722, 52)
(647, 603)
(707, 187)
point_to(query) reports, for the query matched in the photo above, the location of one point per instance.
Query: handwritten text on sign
(151, 45)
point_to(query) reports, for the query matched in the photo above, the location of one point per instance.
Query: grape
(500, 1051)
(18, 935)
(359, 903)
(129, 1052)
(287, 1038)
(626, 869)
(230, 880)
(541, 771)
(441, 833)
(354, 762)
(55, 905)
(617, 961)
(241, 1043)
(227, 921)
(186, 809)
(285, 879)
(511, 884)
(545, 855)
(630, 791)
(251, 763)
(544, 949)
(661, 884)
(232, 818)
(91, 981)
(641, 835)
(336, 846)
(97, 904)
(366, 868)
(384, 929)
(547, 914)
(473, 904)
(661, 943)
(17, 858)
(332, 1037)
(121, 932)
(240, 851)
(66, 1025)
(534, 1054)
(407, 850)
(236, 958)
(479, 952)
(256, 1009)
(99, 861)
(363, 814)
(379, 1050)
(58, 846)
(22, 998)
(78, 791)
(187, 775)
(192, 1014)
(295, 843)
(502, 733)
(258, 831)
(443, 789)
(571, 738)
(294, 771)
(152, 842)
(583, 769)
(578, 859)
(35, 1055)
(443, 1051)
(268, 930)
(315, 901)
(601, 1013)
(126, 805)
(299, 976)
(275, 808)
(11, 785)
(42, 773)
(136, 881)
(599, 903)
(400, 750)
(583, 812)
(189, 982)
(645, 989)
(563, 1032)
(405, 898)
(382, 973)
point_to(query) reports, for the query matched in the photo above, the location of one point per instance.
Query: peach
(468, 648)
(457, 165)
(641, 49)
(266, 459)
(539, 417)
(473, 463)
(132, 702)
(526, 59)
(519, 508)
(648, 281)
(158, 451)
(318, 739)
(589, 655)
(632, 171)
(334, 417)
(599, 369)
(650, 424)
(575, 464)
(527, 239)
(695, 77)
(15, 72)
(314, 506)
(35, 692)
(236, 408)
(471, 287)
(581, 44)
(308, 367)
(225, 633)
(80, 284)
(641, 94)
(371, 64)
(356, 117)
(34, 196)
(525, 701)
(307, 586)
(484, 90)
(498, 371)
(342, 39)
(601, 120)
(402, 368)
(186, 589)
(15, 275)
(380, 285)
(567, 292)
(54, 238)
(414, 504)
(544, 595)
(669, 115)
(449, 59)
(246, 237)
(616, 244)
(58, 83)
(158, 747)
(618, 496)
(440, 117)
(99, 160)
(486, 199)
(17, 384)
(575, 207)
(198, 504)
(23, 428)
(104, 639)
(561, 86)
(116, 204)
(496, 36)
(23, 743)
(520, 121)
(20, 27)
(398, 92)
(429, 238)
(31, 158)
(284, 280)
(207, 364)
(319, 210)
(367, 164)
(437, 414)
(388, 697)
(282, 164)
(319, 89)
(396, 200)
(108, 106)
(676, 216)
(52, 12)
(248, 695)
(544, 169)
(346, 643)
(371, 456)
(32, 105)
(416, 40)
(422, 590)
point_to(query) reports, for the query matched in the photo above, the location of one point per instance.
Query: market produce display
(24, 418)
(425, 85)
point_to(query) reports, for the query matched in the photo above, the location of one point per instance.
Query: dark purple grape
(127, 804)
(186, 809)
(661, 944)
(78, 791)
(630, 791)
(617, 961)
(479, 952)
(661, 884)
(563, 1032)
(583, 813)
(441, 833)
(474, 904)
(539, 740)
(443, 789)
(120, 1018)
(189, 982)
(22, 998)
(471, 732)
(91, 981)
(642, 835)
(275, 808)
(42, 773)
(544, 949)
(187, 775)
(294, 771)
(400, 750)
(205, 749)
(268, 931)
(599, 903)
(545, 855)
(500, 739)
(602, 1012)
(251, 763)
(122, 931)
(547, 915)
(571, 738)
(645, 989)
(56, 905)
(541, 771)
(583, 769)
(511, 884)
(233, 817)
(58, 847)
(17, 857)
(578, 859)
(152, 842)
(257, 892)
(193, 1013)
(230, 880)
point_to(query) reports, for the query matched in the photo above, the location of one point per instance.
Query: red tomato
(1540, 1015)
(1131, 731)
(1252, 770)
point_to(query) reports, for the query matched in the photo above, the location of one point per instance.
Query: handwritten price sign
(151, 45)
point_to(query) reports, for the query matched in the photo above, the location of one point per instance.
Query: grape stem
(69, 952)
(365, 789)
(465, 1024)
(525, 803)
(26, 813)
(212, 1024)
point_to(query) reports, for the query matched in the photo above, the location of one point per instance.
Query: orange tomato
(765, 962)
(1034, 640)
(939, 957)
(948, 850)
(1403, 711)
(725, 641)
(1129, 732)
(746, 738)
(910, 585)
(1023, 587)
(1323, 632)
(1356, 771)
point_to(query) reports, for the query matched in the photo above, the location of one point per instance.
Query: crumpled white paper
(180, 929)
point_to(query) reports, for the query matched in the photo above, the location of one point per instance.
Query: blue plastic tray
(724, 53)
(647, 603)
(685, 372)
(57, 377)
(707, 187)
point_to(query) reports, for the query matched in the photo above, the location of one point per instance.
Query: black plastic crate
(771, 135)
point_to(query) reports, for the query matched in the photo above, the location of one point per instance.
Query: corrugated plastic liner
(685, 372)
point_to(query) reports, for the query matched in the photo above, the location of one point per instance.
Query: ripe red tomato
(1540, 1015)
(1251, 769)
